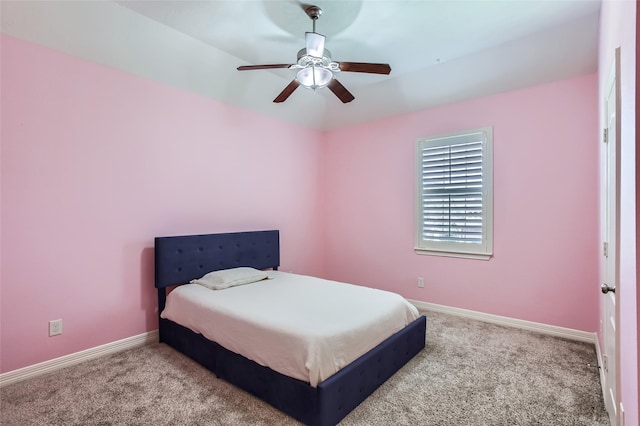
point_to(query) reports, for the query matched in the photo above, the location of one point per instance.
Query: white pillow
(225, 278)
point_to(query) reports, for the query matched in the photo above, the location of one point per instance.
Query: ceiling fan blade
(262, 67)
(315, 44)
(287, 91)
(365, 67)
(340, 91)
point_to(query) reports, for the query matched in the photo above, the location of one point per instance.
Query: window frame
(484, 250)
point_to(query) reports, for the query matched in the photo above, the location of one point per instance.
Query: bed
(180, 259)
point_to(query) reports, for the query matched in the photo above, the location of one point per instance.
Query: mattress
(300, 326)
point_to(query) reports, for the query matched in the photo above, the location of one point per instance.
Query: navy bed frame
(180, 259)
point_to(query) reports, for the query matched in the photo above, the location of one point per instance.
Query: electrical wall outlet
(55, 327)
(420, 282)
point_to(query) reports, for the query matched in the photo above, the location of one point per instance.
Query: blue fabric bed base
(179, 259)
(324, 405)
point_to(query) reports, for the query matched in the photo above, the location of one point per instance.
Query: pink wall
(95, 163)
(618, 28)
(545, 206)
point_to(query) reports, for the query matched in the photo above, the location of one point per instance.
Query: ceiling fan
(315, 67)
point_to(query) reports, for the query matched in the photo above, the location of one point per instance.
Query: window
(454, 194)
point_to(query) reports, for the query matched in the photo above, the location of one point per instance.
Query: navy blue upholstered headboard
(182, 258)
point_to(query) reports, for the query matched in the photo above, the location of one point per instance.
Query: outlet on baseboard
(55, 327)
(420, 282)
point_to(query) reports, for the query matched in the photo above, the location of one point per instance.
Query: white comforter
(303, 327)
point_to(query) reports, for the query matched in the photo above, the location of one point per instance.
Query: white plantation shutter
(454, 185)
(452, 193)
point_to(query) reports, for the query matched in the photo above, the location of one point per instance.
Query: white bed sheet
(303, 327)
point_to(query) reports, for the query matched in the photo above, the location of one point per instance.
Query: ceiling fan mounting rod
(314, 13)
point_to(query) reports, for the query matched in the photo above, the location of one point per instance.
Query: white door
(610, 204)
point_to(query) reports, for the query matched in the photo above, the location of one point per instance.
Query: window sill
(476, 256)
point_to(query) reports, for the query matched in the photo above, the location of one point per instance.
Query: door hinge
(605, 135)
(605, 249)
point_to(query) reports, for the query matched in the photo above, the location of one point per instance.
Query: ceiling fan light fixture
(313, 77)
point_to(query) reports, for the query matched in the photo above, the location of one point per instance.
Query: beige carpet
(470, 373)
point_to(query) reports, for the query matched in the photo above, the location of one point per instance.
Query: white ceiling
(440, 51)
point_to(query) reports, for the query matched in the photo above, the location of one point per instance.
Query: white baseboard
(152, 336)
(78, 357)
(567, 333)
